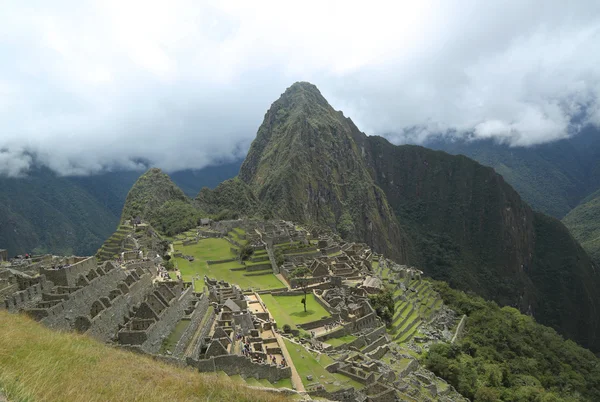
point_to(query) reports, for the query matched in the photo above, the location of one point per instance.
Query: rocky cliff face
(305, 166)
(449, 215)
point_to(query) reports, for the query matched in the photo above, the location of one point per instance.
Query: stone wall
(258, 267)
(68, 276)
(374, 345)
(235, 364)
(25, 292)
(195, 321)
(319, 323)
(213, 262)
(106, 324)
(168, 319)
(79, 303)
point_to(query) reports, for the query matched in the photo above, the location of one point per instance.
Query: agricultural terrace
(289, 309)
(212, 249)
(314, 364)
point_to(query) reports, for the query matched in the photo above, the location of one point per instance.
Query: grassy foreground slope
(38, 364)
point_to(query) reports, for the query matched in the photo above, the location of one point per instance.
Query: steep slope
(304, 165)
(553, 178)
(39, 364)
(156, 199)
(46, 213)
(473, 230)
(584, 224)
(454, 218)
(229, 200)
(470, 227)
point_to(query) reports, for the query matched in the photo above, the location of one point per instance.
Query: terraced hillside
(121, 240)
(415, 303)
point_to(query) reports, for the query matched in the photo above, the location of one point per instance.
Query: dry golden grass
(38, 364)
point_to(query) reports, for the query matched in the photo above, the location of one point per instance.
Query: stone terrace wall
(195, 321)
(168, 319)
(235, 364)
(106, 324)
(319, 323)
(62, 316)
(68, 276)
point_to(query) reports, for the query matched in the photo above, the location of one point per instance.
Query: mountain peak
(302, 96)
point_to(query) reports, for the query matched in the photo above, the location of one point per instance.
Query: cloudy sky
(90, 86)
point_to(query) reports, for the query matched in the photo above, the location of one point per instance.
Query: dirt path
(282, 279)
(296, 379)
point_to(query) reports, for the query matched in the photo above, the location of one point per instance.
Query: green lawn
(235, 235)
(219, 249)
(308, 364)
(289, 310)
(341, 340)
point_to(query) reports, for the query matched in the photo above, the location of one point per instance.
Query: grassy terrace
(219, 249)
(235, 235)
(171, 341)
(38, 364)
(341, 340)
(289, 310)
(314, 364)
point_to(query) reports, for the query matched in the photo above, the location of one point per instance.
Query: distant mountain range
(44, 212)
(553, 178)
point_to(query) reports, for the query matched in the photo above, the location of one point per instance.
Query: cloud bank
(93, 86)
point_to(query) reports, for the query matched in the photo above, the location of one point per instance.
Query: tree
(279, 257)
(302, 274)
(245, 252)
(383, 303)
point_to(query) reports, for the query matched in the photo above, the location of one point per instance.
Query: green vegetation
(456, 213)
(245, 252)
(44, 213)
(220, 249)
(309, 364)
(157, 200)
(553, 178)
(289, 310)
(584, 224)
(302, 274)
(175, 216)
(286, 171)
(383, 303)
(39, 364)
(505, 355)
(231, 199)
(341, 340)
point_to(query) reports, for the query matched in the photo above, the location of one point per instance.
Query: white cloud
(88, 86)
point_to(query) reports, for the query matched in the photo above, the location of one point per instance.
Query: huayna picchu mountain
(456, 219)
(306, 165)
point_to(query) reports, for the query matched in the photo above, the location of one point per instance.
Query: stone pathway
(296, 379)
